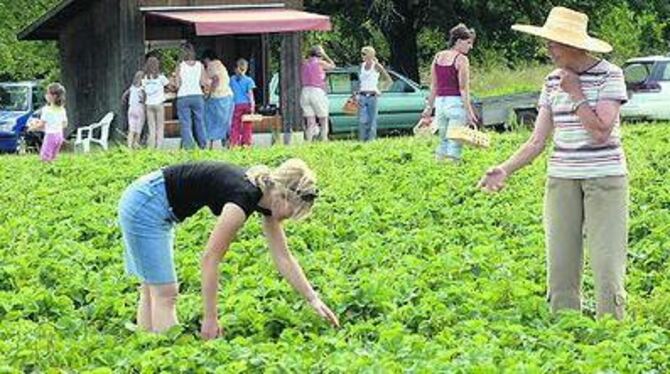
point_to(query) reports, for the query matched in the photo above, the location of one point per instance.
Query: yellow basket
(252, 118)
(469, 136)
(425, 127)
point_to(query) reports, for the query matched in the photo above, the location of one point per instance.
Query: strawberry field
(426, 273)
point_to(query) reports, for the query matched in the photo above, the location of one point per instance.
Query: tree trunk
(402, 42)
(398, 23)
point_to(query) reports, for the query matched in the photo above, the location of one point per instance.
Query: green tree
(25, 60)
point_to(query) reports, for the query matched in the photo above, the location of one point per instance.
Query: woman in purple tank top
(450, 90)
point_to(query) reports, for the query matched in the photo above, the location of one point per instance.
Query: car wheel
(526, 117)
(21, 145)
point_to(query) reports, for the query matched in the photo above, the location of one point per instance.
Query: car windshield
(14, 98)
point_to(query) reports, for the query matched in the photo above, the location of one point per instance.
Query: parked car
(648, 84)
(400, 106)
(18, 102)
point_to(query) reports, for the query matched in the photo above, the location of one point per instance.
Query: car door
(401, 104)
(341, 84)
(662, 75)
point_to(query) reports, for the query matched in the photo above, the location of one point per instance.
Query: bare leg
(144, 308)
(131, 139)
(323, 122)
(164, 306)
(309, 131)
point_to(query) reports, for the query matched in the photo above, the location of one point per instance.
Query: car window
(14, 98)
(665, 71)
(340, 83)
(38, 98)
(399, 85)
(637, 72)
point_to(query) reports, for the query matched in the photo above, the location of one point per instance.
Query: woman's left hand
(570, 83)
(325, 312)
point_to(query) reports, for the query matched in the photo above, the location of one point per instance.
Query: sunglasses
(307, 196)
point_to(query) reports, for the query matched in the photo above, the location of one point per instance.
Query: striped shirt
(575, 154)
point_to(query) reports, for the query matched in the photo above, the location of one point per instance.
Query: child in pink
(135, 97)
(53, 120)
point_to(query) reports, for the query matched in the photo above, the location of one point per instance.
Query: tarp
(248, 21)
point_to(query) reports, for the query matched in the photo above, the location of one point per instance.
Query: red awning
(257, 21)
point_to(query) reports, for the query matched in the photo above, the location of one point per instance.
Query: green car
(400, 106)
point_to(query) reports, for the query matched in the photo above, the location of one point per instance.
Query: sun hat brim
(589, 43)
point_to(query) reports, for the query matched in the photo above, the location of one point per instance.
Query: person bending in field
(586, 198)
(152, 205)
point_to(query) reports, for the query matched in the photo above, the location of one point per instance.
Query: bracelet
(576, 105)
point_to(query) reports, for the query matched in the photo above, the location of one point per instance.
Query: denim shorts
(449, 113)
(147, 224)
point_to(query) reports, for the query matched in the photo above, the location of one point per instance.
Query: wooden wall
(103, 46)
(90, 63)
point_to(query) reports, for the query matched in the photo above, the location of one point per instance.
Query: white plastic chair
(103, 140)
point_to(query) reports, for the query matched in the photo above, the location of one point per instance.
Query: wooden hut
(103, 42)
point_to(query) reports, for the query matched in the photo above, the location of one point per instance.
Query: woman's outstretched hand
(210, 329)
(325, 312)
(493, 180)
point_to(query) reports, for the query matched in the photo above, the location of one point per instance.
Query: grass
(426, 273)
(489, 81)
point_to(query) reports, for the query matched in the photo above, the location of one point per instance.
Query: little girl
(243, 95)
(136, 114)
(53, 120)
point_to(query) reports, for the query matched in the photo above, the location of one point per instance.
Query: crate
(269, 124)
(172, 129)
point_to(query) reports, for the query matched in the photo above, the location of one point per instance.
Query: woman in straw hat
(152, 205)
(587, 189)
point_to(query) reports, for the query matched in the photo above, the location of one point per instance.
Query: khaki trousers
(156, 122)
(596, 210)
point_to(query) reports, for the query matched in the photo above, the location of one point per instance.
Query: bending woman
(153, 204)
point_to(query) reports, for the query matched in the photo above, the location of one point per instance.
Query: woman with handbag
(587, 188)
(450, 91)
(368, 94)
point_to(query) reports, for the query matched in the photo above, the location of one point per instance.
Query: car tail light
(648, 87)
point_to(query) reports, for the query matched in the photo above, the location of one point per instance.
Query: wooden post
(290, 83)
(131, 51)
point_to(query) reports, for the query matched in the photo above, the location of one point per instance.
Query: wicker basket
(350, 106)
(469, 136)
(425, 127)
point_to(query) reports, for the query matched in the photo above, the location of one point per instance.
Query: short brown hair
(460, 32)
(57, 91)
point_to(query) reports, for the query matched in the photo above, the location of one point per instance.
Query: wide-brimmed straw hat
(568, 27)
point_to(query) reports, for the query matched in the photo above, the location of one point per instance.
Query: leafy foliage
(426, 273)
(25, 60)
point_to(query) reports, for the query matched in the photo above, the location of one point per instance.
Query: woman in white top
(371, 71)
(191, 77)
(154, 83)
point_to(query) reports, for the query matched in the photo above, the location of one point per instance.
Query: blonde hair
(242, 66)
(369, 51)
(293, 179)
(137, 78)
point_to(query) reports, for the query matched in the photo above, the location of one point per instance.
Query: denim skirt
(147, 224)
